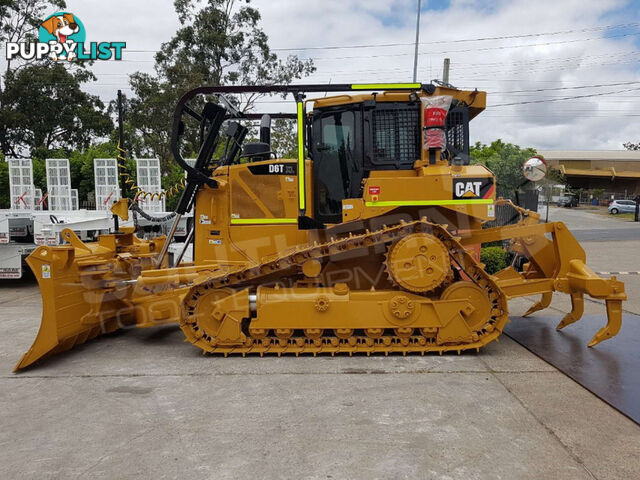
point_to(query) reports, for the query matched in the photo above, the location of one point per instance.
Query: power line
(438, 42)
(502, 47)
(480, 39)
(525, 102)
(463, 67)
(570, 88)
(466, 65)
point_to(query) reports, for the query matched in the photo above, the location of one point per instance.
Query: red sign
(374, 190)
(434, 117)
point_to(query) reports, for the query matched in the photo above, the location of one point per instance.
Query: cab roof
(476, 100)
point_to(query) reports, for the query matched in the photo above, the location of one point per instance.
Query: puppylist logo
(62, 36)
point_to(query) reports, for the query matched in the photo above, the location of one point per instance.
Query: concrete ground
(143, 404)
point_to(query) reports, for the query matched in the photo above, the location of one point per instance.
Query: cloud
(504, 68)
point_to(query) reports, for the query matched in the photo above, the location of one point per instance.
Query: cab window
(334, 158)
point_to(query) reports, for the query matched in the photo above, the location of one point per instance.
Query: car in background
(567, 201)
(622, 206)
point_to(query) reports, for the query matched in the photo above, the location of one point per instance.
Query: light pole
(415, 57)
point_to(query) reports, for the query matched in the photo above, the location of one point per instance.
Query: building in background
(609, 173)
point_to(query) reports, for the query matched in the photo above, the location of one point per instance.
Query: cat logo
(470, 188)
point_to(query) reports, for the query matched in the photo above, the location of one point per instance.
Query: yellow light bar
(262, 221)
(385, 86)
(419, 203)
(301, 190)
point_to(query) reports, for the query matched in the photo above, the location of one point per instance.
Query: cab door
(337, 161)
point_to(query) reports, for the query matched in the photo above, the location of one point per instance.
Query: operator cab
(352, 135)
(346, 137)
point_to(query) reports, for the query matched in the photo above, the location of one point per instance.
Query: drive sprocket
(418, 263)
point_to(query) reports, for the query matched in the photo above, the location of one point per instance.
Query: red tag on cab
(434, 117)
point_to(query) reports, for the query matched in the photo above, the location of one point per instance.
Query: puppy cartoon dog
(61, 27)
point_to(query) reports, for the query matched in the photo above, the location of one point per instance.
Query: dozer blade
(83, 293)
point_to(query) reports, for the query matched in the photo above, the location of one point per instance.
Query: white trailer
(149, 180)
(16, 223)
(59, 184)
(21, 183)
(27, 225)
(107, 190)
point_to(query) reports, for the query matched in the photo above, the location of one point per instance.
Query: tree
(5, 198)
(505, 160)
(21, 19)
(44, 108)
(81, 167)
(220, 43)
(284, 138)
(631, 146)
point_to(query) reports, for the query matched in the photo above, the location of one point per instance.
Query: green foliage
(20, 19)
(169, 179)
(505, 160)
(44, 113)
(494, 258)
(219, 42)
(81, 166)
(43, 108)
(631, 146)
(5, 194)
(284, 138)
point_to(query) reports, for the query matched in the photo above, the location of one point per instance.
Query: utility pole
(116, 220)
(547, 196)
(445, 71)
(121, 149)
(120, 127)
(415, 57)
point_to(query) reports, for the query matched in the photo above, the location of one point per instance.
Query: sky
(554, 49)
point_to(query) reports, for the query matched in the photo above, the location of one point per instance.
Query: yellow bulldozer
(367, 242)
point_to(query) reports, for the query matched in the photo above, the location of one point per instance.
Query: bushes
(494, 258)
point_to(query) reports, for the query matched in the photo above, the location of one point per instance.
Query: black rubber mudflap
(610, 370)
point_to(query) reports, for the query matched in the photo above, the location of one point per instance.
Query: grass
(623, 216)
(619, 216)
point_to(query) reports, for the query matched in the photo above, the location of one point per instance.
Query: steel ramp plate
(610, 370)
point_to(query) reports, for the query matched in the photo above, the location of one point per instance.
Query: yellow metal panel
(575, 172)
(476, 100)
(410, 203)
(261, 221)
